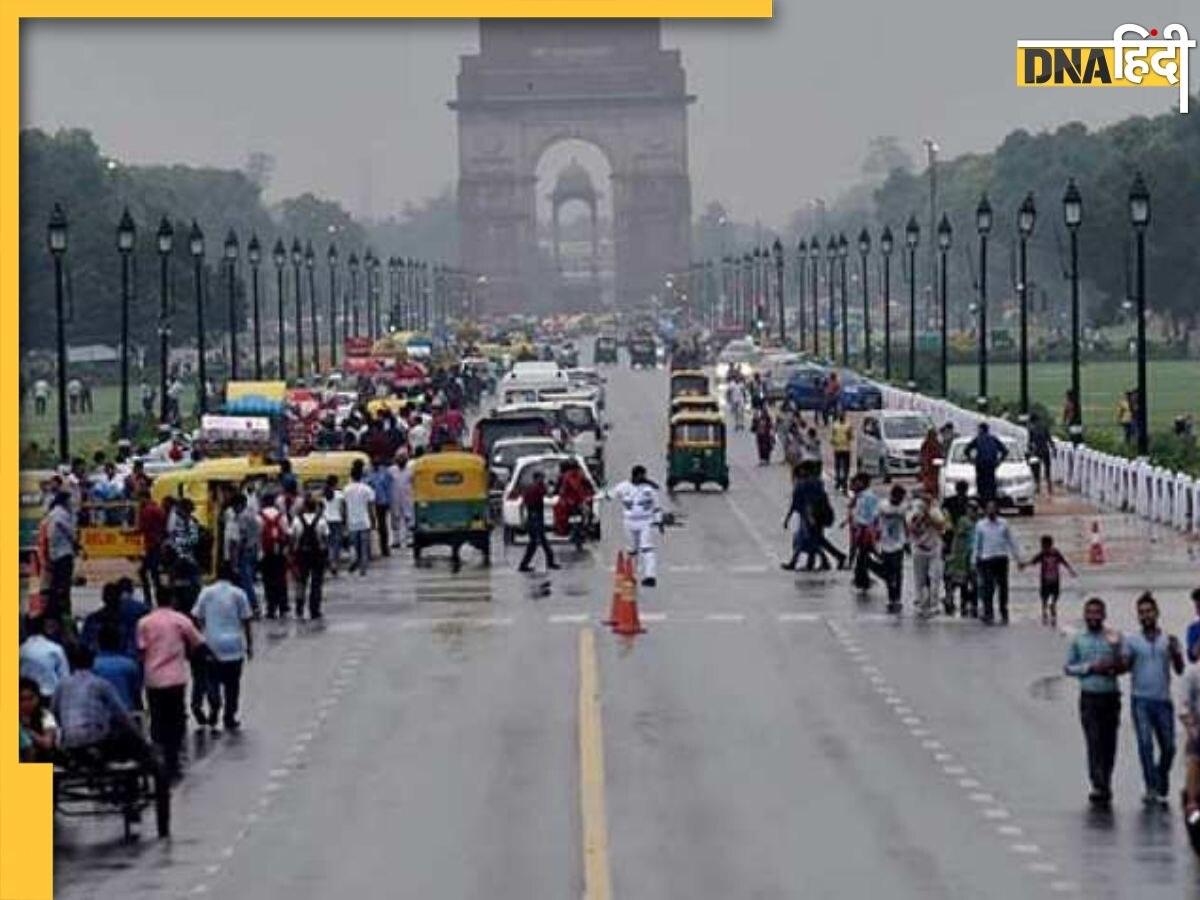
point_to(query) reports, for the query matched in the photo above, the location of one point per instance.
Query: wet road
(770, 736)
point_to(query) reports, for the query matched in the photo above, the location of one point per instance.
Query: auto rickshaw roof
(697, 418)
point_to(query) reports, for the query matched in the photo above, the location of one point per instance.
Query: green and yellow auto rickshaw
(688, 383)
(450, 503)
(696, 451)
(687, 403)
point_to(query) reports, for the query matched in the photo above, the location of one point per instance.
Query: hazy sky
(356, 111)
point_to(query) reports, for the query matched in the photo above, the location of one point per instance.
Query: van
(536, 372)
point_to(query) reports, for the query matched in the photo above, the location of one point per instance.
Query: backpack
(310, 539)
(273, 535)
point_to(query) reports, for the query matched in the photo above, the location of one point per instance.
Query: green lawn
(1174, 388)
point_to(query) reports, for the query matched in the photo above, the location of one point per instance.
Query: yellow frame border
(26, 816)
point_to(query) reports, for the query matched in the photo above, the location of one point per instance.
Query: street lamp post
(310, 263)
(864, 247)
(831, 252)
(943, 239)
(1073, 215)
(814, 254)
(166, 241)
(297, 259)
(983, 224)
(279, 255)
(332, 256)
(126, 233)
(57, 234)
(1026, 216)
(353, 305)
(369, 279)
(196, 246)
(912, 236)
(231, 255)
(801, 274)
(777, 248)
(254, 255)
(843, 250)
(885, 247)
(1139, 216)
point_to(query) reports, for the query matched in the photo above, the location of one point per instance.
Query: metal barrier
(1129, 485)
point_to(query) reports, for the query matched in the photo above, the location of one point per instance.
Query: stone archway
(535, 83)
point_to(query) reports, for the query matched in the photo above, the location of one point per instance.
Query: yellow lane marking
(597, 881)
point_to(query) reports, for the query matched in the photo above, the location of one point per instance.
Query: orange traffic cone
(1096, 550)
(618, 585)
(627, 621)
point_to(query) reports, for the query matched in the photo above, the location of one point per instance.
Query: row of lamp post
(738, 277)
(414, 283)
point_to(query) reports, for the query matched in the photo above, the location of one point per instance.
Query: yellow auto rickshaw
(210, 484)
(688, 403)
(450, 503)
(688, 383)
(696, 451)
(314, 469)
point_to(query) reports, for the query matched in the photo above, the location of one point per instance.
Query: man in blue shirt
(986, 452)
(111, 664)
(1149, 657)
(224, 612)
(122, 611)
(1094, 657)
(1193, 630)
(41, 657)
(381, 483)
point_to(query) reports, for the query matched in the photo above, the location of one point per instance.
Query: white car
(549, 464)
(507, 452)
(889, 442)
(1014, 478)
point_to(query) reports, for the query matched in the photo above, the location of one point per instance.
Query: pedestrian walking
(893, 539)
(1125, 417)
(223, 611)
(273, 540)
(1189, 716)
(334, 509)
(994, 547)
(246, 565)
(735, 400)
(926, 525)
(1050, 563)
(986, 452)
(1192, 636)
(310, 537)
(74, 395)
(359, 500)
(62, 545)
(841, 439)
(961, 574)
(1094, 657)
(642, 514)
(534, 500)
(381, 484)
(402, 502)
(166, 637)
(41, 396)
(152, 526)
(183, 542)
(863, 517)
(1041, 448)
(1150, 656)
(930, 453)
(764, 434)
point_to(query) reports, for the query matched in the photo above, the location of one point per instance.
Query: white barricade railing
(1133, 485)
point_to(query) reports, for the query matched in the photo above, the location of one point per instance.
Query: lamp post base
(981, 403)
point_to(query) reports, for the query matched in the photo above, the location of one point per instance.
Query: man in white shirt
(401, 508)
(41, 396)
(418, 435)
(639, 497)
(359, 498)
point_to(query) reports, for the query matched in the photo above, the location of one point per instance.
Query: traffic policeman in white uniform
(639, 498)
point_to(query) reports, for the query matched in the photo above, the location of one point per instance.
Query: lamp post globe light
(912, 237)
(254, 257)
(126, 235)
(279, 256)
(983, 225)
(886, 243)
(297, 259)
(165, 240)
(864, 247)
(1026, 218)
(944, 234)
(56, 235)
(843, 251)
(196, 248)
(1073, 217)
(1139, 217)
(231, 256)
(310, 263)
(332, 257)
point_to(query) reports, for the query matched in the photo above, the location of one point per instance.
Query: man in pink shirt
(165, 637)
